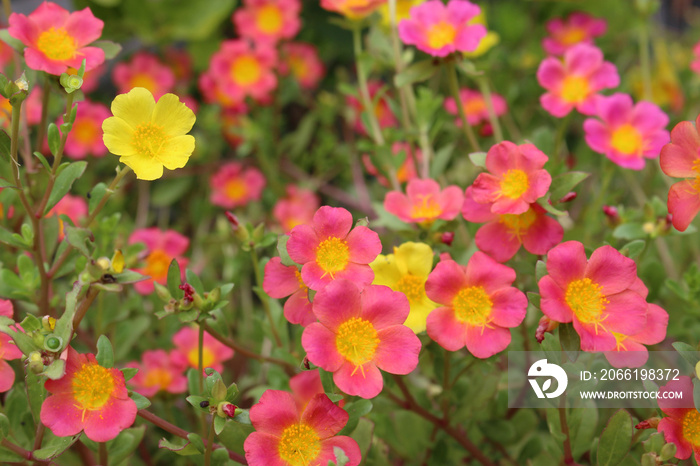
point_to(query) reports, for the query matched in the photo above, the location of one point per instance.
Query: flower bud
(650, 423)
(162, 292)
(546, 325)
(53, 343)
(447, 238)
(568, 197)
(226, 409)
(668, 451)
(35, 362)
(48, 323)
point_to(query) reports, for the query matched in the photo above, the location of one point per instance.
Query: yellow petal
(418, 315)
(385, 271)
(145, 167)
(117, 136)
(175, 117)
(134, 107)
(176, 152)
(417, 258)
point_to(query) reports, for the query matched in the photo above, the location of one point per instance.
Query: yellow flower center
(57, 44)
(473, 306)
(85, 131)
(269, 19)
(441, 34)
(572, 35)
(208, 357)
(520, 223)
(413, 287)
(236, 189)
(158, 377)
(143, 80)
(298, 67)
(148, 139)
(691, 427)
(514, 184)
(627, 139)
(474, 106)
(586, 300)
(575, 89)
(356, 340)
(299, 445)
(245, 70)
(332, 255)
(427, 208)
(157, 263)
(92, 386)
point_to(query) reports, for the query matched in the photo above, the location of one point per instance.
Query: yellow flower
(148, 136)
(406, 271)
(403, 8)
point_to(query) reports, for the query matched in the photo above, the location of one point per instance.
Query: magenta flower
(329, 248)
(360, 332)
(268, 20)
(601, 296)
(424, 202)
(159, 371)
(161, 248)
(86, 136)
(438, 29)
(233, 185)
(682, 424)
(301, 60)
(56, 39)
(575, 82)
(186, 351)
(281, 281)
(515, 179)
(577, 28)
(144, 70)
(8, 350)
(479, 305)
(503, 234)
(628, 133)
(475, 106)
(290, 434)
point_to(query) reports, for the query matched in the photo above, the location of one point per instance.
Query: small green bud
(162, 292)
(53, 343)
(35, 362)
(214, 295)
(668, 451)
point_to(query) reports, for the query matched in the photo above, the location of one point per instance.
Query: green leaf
(282, 250)
(563, 184)
(55, 447)
(64, 181)
(629, 231)
(356, 410)
(544, 203)
(196, 441)
(5, 143)
(687, 352)
(438, 164)
(105, 352)
(110, 48)
(478, 159)
(141, 401)
(616, 439)
(43, 160)
(96, 195)
(633, 248)
(219, 424)
(570, 341)
(416, 72)
(4, 426)
(175, 280)
(194, 280)
(124, 445)
(129, 373)
(193, 21)
(79, 238)
(35, 394)
(540, 270)
(16, 44)
(54, 137)
(56, 370)
(180, 446)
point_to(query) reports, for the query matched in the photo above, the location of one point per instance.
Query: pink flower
(438, 29)
(86, 136)
(285, 280)
(57, 39)
(353, 9)
(682, 424)
(627, 133)
(161, 248)
(600, 295)
(515, 179)
(186, 352)
(382, 111)
(479, 305)
(290, 434)
(144, 70)
(268, 20)
(503, 234)
(630, 350)
(575, 82)
(88, 397)
(74, 207)
(424, 202)
(158, 371)
(681, 159)
(360, 332)
(233, 186)
(329, 248)
(6, 54)
(407, 170)
(238, 70)
(301, 60)
(297, 208)
(577, 28)
(475, 107)
(8, 350)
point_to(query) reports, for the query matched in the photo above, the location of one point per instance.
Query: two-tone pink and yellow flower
(359, 332)
(158, 371)
(681, 159)
(424, 202)
(438, 29)
(407, 170)
(74, 207)
(330, 248)
(268, 20)
(56, 39)
(281, 281)
(288, 433)
(86, 136)
(599, 295)
(186, 352)
(161, 248)
(353, 9)
(503, 234)
(681, 426)
(475, 106)
(296, 208)
(8, 350)
(577, 28)
(575, 81)
(88, 398)
(627, 133)
(478, 305)
(515, 178)
(233, 185)
(144, 70)
(301, 61)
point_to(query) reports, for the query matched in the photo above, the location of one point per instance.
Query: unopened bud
(233, 221)
(103, 263)
(447, 238)
(568, 197)
(162, 292)
(668, 451)
(53, 343)
(612, 214)
(35, 362)
(48, 323)
(486, 130)
(226, 409)
(650, 423)
(546, 325)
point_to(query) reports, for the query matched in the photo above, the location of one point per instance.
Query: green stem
(375, 129)
(644, 59)
(446, 387)
(561, 133)
(454, 89)
(210, 443)
(104, 459)
(200, 359)
(45, 95)
(568, 456)
(266, 304)
(485, 89)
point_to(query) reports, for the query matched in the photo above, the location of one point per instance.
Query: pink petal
(298, 309)
(509, 307)
(615, 110)
(302, 244)
(280, 280)
(566, 262)
(444, 328)
(60, 414)
(262, 450)
(347, 444)
(275, 411)
(677, 407)
(337, 302)
(305, 385)
(683, 204)
(678, 157)
(499, 159)
(364, 245)
(366, 385)
(647, 117)
(497, 241)
(7, 376)
(174, 244)
(473, 211)
(332, 221)
(555, 105)
(550, 73)
(543, 234)
(319, 344)
(314, 276)
(582, 59)
(384, 307)
(553, 303)
(626, 313)
(673, 433)
(105, 424)
(445, 281)
(397, 203)
(597, 135)
(486, 188)
(484, 342)
(451, 200)
(594, 338)
(611, 270)
(360, 274)
(84, 27)
(324, 417)
(398, 350)
(486, 272)
(634, 355)
(655, 329)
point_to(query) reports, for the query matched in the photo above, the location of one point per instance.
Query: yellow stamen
(696, 168)
(245, 70)
(427, 209)
(157, 264)
(575, 89)
(518, 225)
(236, 189)
(587, 301)
(514, 184)
(57, 44)
(148, 139)
(572, 35)
(269, 19)
(299, 445)
(441, 34)
(627, 139)
(356, 340)
(332, 255)
(413, 287)
(158, 377)
(691, 427)
(208, 357)
(92, 387)
(473, 306)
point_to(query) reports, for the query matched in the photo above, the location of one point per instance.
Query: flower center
(691, 427)
(413, 287)
(520, 223)
(426, 208)
(85, 132)
(269, 19)
(157, 264)
(245, 70)
(298, 66)
(586, 300)
(207, 357)
(332, 255)
(143, 80)
(441, 34)
(475, 106)
(572, 35)
(148, 139)
(92, 386)
(299, 445)
(57, 44)
(514, 184)
(473, 306)
(158, 377)
(575, 89)
(235, 189)
(357, 341)
(627, 139)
